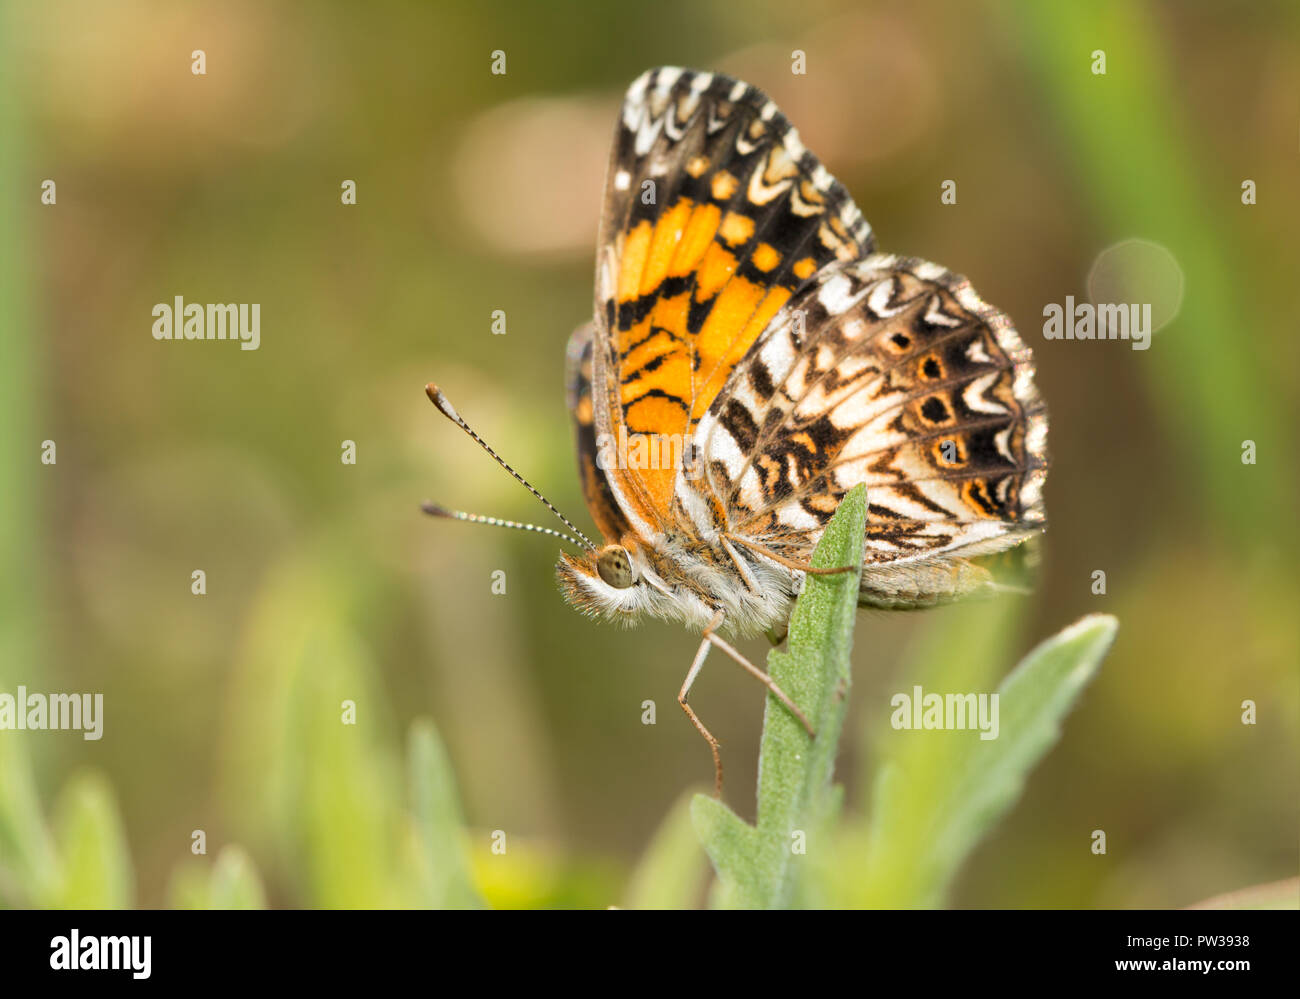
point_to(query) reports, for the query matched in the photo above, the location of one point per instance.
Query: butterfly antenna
(445, 407)
(434, 510)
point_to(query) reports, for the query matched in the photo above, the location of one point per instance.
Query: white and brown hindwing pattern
(891, 372)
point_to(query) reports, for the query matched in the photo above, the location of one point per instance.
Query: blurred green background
(479, 192)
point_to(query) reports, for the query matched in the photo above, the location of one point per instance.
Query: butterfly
(751, 359)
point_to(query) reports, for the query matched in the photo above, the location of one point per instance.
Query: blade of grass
(96, 866)
(235, 882)
(232, 882)
(29, 868)
(445, 878)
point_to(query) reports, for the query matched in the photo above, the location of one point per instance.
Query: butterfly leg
(764, 679)
(710, 638)
(690, 713)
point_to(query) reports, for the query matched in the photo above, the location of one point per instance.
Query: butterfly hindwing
(890, 372)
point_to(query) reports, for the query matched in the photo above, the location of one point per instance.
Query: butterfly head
(608, 582)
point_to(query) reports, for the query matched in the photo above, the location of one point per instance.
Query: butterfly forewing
(596, 487)
(715, 217)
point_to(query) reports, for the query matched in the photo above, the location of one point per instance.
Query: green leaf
(964, 646)
(440, 858)
(235, 882)
(758, 866)
(96, 867)
(29, 869)
(932, 805)
(232, 882)
(670, 874)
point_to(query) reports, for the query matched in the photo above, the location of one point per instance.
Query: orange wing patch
(668, 234)
(636, 246)
(715, 271)
(765, 258)
(696, 239)
(724, 186)
(741, 313)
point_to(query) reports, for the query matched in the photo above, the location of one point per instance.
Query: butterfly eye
(615, 567)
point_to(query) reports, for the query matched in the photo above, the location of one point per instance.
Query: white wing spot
(973, 395)
(667, 77)
(976, 352)
(836, 295)
(879, 297)
(935, 316)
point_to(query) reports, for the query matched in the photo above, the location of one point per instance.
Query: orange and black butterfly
(750, 360)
